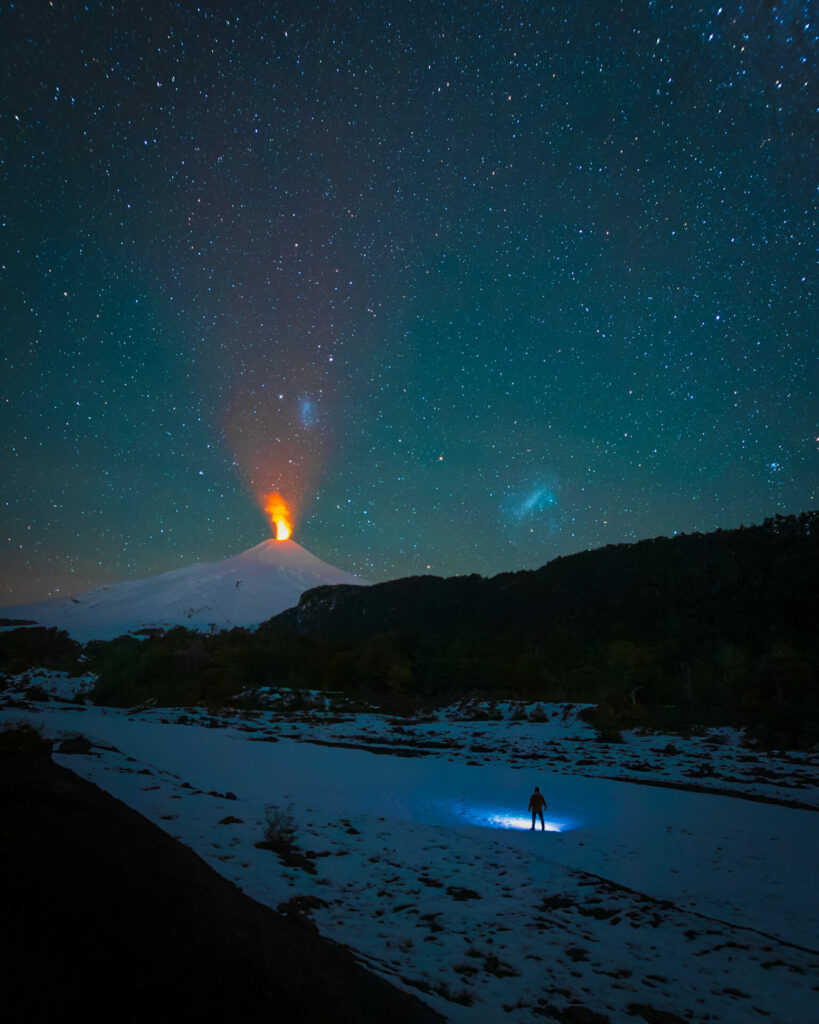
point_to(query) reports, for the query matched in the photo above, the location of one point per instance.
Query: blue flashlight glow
(498, 817)
(503, 820)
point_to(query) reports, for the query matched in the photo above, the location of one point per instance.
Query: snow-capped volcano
(240, 591)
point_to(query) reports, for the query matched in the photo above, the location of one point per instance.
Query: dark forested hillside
(673, 632)
(746, 585)
(678, 631)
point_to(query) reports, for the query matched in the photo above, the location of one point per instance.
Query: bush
(279, 836)
(279, 827)
(38, 647)
(538, 714)
(607, 732)
(23, 740)
(606, 722)
(464, 997)
(37, 692)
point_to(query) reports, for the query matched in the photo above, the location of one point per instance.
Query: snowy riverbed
(696, 904)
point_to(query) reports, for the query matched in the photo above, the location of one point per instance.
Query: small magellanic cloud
(308, 411)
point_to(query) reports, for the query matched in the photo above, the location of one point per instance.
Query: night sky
(472, 284)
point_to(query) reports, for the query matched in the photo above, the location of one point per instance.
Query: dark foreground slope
(106, 916)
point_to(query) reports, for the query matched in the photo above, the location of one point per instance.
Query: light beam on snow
(501, 817)
(505, 820)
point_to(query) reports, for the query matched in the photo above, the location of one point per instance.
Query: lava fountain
(279, 515)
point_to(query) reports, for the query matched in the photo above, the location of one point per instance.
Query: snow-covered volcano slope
(240, 591)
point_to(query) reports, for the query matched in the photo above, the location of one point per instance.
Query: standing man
(537, 805)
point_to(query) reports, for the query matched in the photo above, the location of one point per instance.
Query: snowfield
(417, 851)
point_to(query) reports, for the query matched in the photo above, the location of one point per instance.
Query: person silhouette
(537, 805)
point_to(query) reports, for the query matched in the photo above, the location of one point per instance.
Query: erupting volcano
(279, 515)
(244, 590)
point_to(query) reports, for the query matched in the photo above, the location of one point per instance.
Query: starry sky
(472, 285)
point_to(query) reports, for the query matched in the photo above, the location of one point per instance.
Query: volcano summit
(244, 590)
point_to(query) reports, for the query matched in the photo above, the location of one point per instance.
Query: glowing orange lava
(279, 514)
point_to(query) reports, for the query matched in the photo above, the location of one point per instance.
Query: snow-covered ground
(695, 904)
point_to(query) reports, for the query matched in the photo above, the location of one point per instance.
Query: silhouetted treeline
(696, 629)
(38, 647)
(724, 585)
